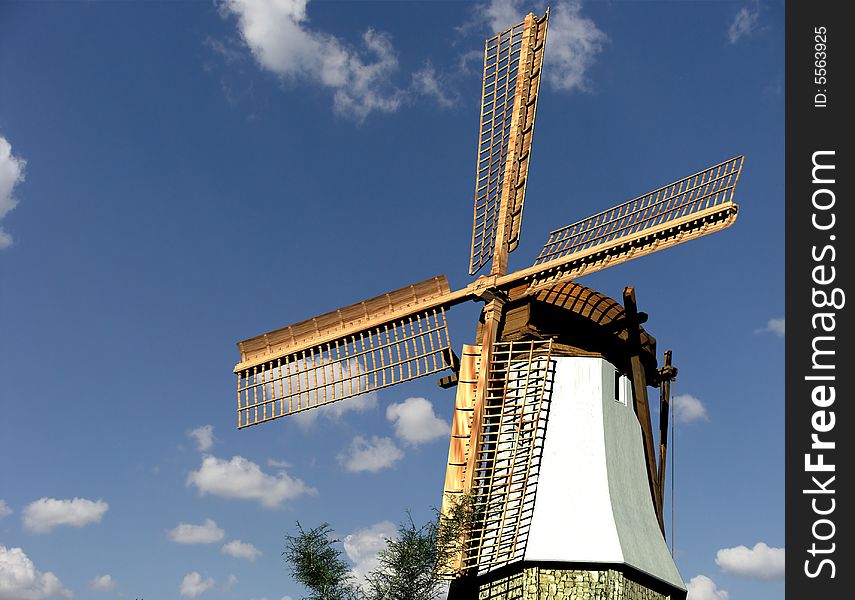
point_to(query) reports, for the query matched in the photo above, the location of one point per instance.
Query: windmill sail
(681, 211)
(395, 337)
(512, 69)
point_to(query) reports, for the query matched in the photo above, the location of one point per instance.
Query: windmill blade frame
(513, 61)
(679, 212)
(389, 339)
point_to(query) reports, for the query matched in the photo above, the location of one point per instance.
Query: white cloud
(207, 533)
(20, 580)
(501, 14)
(759, 562)
(5, 511)
(745, 22)
(204, 437)
(335, 410)
(243, 479)
(427, 82)
(363, 545)
(240, 549)
(415, 421)
(572, 46)
(278, 464)
(103, 583)
(773, 326)
(232, 579)
(11, 174)
(701, 587)
(572, 43)
(277, 33)
(44, 514)
(687, 408)
(192, 585)
(370, 455)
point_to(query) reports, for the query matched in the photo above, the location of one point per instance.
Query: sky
(176, 177)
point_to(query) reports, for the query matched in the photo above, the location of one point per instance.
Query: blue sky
(175, 177)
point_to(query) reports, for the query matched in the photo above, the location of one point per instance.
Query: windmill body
(551, 439)
(564, 482)
(592, 515)
(592, 503)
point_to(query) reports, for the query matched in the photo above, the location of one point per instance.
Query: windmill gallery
(552, 436)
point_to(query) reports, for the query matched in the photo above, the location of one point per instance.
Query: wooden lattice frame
(348, 366)
(512, 68)
(509, 448)
(684, 210)
(690, 195)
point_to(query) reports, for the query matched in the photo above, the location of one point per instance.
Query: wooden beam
(492, 318)
(639, 394)
(666, 374)
(451, 359)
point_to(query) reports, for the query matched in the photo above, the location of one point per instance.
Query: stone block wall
(540, 583)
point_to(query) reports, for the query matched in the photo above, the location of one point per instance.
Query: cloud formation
(44, 514)
(5, 511)
(687, 408)
(572, 43)
(415, 421)
(745, 22)
(103, 583)
(192, 585)
(20, 580)
(370, 455)
(336, 410)
(774, 326)
(204, 437)
(207, 533)
(429, 83)
(239, 549)
(278, 35)
(760, 562)
(363, 545)
(701, 587)
(11, 174)
(244, 480)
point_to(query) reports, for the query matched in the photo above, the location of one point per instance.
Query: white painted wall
(593, 502)
(573, 518)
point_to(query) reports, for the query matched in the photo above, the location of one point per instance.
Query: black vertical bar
(819, 226)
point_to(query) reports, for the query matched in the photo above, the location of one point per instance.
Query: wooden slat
(532, 66)
(343, 322)
(461, 425)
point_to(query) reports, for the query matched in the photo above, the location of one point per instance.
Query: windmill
(550, 357)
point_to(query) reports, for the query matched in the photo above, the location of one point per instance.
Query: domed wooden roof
(582, 321)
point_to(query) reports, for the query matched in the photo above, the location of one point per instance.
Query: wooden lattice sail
(512, 67)
(393, 338)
